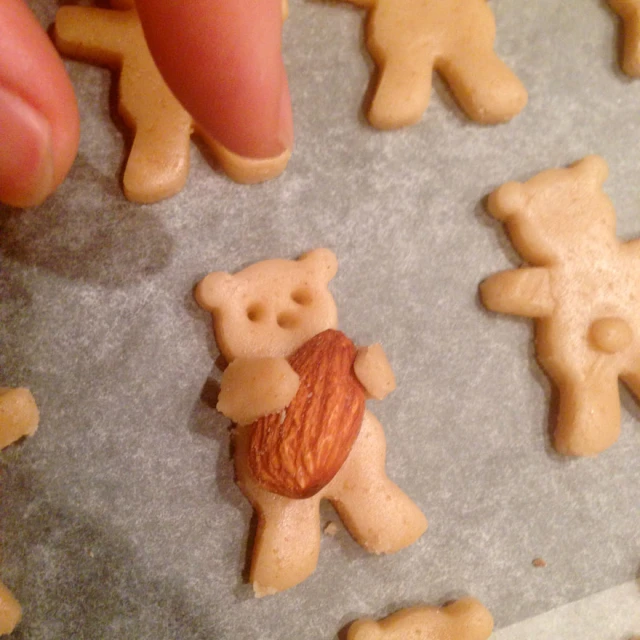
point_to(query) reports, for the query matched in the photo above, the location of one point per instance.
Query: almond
(297, 451)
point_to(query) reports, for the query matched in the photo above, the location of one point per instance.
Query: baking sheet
(120, 518)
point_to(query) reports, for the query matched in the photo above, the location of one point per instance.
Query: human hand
(221, 59)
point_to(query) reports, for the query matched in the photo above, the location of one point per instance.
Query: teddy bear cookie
(158, 162)
(295, 387)
(629, 12)
(18, 418)
(464, 619)
(408, 39)
(582, 290)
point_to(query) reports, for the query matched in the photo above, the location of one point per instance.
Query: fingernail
(26, 156)
(285, 123)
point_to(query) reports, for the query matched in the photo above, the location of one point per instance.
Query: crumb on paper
(331, 528)
(539, 563)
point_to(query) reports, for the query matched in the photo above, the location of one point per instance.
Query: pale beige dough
(158, 162)
(408, 39)
(272, 307)
(10, 611)
(273, 384)
(19, 417)
(582, 289)
(629, 12)
(269, 310)
(465, 619)
(374, 371)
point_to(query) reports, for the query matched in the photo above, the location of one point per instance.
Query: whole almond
(297, 451)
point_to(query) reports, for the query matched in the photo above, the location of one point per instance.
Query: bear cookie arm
(465, 619)
(521, 292)
(409, 39)
(283, 309)
(629, 12)
(252, 388)
(158, 163)
(374, 371)
(581, 290)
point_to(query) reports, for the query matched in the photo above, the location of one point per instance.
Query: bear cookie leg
(378, 514)
(287, 541)
(631, 380)
(287, 545)
(158, 163)
(402, 93)
(484, 86)
(589, 413)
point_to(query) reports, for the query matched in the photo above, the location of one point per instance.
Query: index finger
(222, 59)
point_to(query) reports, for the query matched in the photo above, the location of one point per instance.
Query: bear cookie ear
(508, 200)
(593, 168)
(212, 290)
(323, 262)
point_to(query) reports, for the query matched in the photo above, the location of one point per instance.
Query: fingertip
(222, 59)
(26, 158)
(38, 110)
(286, 115)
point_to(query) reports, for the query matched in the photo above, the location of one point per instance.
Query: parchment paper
(120, 517)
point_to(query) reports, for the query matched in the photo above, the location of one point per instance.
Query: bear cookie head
(546, 214)
(272, 307)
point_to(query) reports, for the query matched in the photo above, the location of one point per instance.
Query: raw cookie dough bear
(158, 162)
(408, 39)
(18, 418)
(629, 12)
(464, 619)
(271, 320)
(582, 291)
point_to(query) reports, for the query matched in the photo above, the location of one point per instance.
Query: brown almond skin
(296, 452)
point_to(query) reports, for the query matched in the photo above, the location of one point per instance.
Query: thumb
(38, 113)
(222, 59)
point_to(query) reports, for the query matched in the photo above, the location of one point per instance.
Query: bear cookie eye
(255, 312)
(302, 297)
